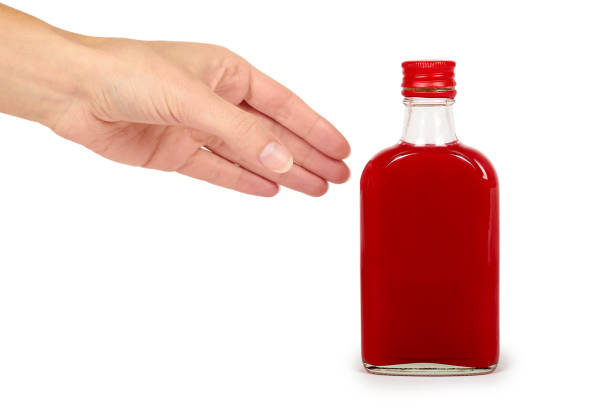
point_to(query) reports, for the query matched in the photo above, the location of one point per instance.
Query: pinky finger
(207, 166)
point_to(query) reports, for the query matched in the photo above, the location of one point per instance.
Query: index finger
(274, 100)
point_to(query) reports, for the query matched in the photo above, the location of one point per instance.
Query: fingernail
(276, 157)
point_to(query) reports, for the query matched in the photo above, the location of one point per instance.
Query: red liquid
(429, 249)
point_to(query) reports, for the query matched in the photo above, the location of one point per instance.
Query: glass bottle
(429, 242)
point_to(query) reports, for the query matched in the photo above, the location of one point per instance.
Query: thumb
(240, 130)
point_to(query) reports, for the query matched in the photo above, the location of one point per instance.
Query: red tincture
(429, 248)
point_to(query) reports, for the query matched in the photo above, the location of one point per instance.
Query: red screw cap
(429, 79)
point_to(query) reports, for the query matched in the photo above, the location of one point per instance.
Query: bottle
(429, 242)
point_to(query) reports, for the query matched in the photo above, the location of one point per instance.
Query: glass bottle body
(429, 252)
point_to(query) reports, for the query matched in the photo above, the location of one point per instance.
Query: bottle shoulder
(407, 157)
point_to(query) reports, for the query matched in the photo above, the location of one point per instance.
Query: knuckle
(284, 109)
(213, 143)
(312, 126)
(246, 127)
(236, 180)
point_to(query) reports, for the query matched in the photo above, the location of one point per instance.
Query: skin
(196, 109)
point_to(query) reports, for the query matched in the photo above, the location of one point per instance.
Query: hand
(199, 110)
(196, 109)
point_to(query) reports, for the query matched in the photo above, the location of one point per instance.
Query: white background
(125, 287)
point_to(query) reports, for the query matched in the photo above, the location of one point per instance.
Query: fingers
(303, 153)
(207, 166)
(271, 98)
(297, 178)
(211, 114)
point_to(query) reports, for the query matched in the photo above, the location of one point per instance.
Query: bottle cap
(429, 79)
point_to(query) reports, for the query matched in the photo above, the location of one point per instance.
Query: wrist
(71, 72)
(42, 69)
(63, 77)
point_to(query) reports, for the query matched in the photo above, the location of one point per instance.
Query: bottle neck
(428, 121)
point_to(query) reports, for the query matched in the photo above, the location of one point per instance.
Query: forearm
(40, 67)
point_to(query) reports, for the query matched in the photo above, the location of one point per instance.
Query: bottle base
(427, 369)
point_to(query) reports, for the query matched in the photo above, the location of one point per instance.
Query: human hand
(196, 109)
(199, 110)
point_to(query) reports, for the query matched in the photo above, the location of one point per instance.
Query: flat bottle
(429, 242)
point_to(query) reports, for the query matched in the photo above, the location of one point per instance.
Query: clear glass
(428, 369)
(428, 121)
